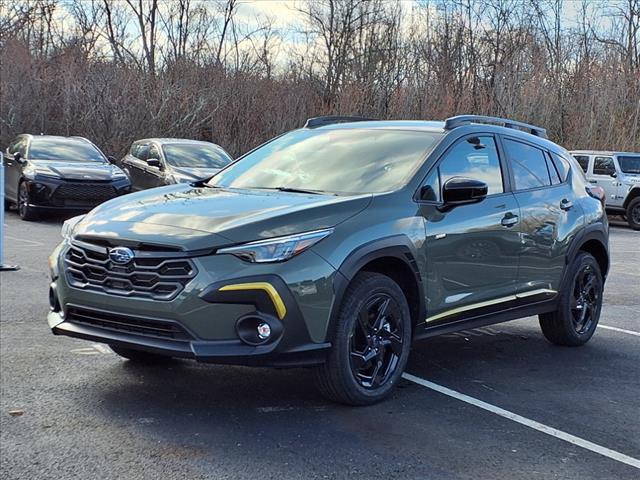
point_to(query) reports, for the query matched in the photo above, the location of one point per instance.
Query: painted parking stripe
(567, 437)
(621, 330)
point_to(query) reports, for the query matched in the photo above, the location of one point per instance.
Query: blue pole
(3, 267)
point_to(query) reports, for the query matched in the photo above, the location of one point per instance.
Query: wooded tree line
(114, 71)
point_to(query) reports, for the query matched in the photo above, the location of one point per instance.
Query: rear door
(472, 251)
(548, 217)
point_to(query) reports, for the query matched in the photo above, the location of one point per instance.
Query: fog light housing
(264, 331)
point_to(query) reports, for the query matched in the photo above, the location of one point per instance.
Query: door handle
(566, 204)
(509, 220)
(593, 181)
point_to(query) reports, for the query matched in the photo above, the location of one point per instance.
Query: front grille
(126, 323)
(86, 192)
(151, 275)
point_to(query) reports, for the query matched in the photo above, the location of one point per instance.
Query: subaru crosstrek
(338, 244)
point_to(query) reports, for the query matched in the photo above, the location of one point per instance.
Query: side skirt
(477, 318)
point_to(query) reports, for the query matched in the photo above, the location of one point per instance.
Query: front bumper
(211, 315)
(60, 194)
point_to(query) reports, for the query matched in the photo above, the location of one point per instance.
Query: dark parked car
(46, 172)
(338, 244)
(154, 162)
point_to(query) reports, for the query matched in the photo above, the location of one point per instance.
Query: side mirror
(112, 159)
(17, 157)
(614, 174)
(154, 162)
(461, 191)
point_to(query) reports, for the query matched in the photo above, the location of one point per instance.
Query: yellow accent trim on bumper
(281, 310)
(488, 303)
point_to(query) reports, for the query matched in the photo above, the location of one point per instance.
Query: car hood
(202, 217)
(74, 170)
(194, 173)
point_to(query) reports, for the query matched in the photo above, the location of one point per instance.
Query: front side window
(475, 158)
(154, 152)
(603, 166)
(629, 163)
(340, 160)
(64, 149)
(583, 161)
(141, 151)
(528, 164)
(195, 156)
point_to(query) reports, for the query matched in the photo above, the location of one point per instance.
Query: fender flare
(590, 232)
(398, 246)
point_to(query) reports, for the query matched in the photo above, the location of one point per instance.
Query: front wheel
(576, 318)
(633, 213)
(25, 211)
(371, 342)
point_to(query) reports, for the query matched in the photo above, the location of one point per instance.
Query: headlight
(276, 249)
(70, 225)
(32, 172)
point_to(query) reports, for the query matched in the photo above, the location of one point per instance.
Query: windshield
(195, 156)
(337, 161)
(629, 163)
(67, 149)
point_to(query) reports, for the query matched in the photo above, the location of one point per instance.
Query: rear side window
(603, 166)
(529, 165)
(583, 161)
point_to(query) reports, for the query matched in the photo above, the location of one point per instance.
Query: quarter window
(553, 173)
(603, 166)
(562, 165)
(583, 161)
(528, 164)
(475, 158)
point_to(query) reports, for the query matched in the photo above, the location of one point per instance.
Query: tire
(354, 374)
(26, 212)
(139, 356)
(576, 318)
(633, 213)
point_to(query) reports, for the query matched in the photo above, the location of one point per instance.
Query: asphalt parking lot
(497, 402)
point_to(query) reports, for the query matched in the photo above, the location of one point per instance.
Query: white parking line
(622, 330)
(567, 437)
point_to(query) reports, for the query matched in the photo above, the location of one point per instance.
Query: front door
(602, 175)
(472, 251)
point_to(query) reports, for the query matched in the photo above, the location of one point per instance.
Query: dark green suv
(336, 246)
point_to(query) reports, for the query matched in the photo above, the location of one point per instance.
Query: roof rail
(331, 119)
(458, 121)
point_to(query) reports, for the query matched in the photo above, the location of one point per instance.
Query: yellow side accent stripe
(488, 303)
(281, 310)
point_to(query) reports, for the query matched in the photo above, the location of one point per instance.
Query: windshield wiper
(301, 190)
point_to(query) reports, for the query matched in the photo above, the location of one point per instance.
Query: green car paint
(505, 254)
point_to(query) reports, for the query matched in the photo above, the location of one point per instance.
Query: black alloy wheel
(376, 341)
(586, 299)
(370, 342)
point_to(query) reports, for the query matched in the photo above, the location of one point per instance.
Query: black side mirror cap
(614, 174)
(461, 191)
(17, 157)
(154, 162)
(112, 159)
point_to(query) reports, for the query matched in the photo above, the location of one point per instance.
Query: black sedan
(45, 172)
(154, 162)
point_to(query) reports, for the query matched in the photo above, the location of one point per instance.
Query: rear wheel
(25, 211)
(139, 356)
(371, 342)
(576, 318)
(633, 213)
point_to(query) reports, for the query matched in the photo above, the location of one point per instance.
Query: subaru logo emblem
(121, 255)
